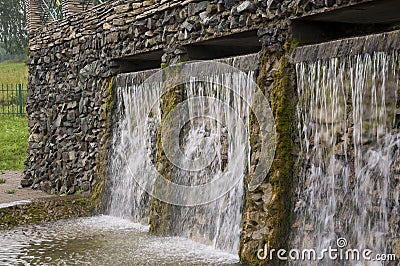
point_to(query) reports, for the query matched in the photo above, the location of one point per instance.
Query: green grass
(10, 191)
(13, 129)
(12, 108)
(2, 181)
(13, 142)
(13, 72)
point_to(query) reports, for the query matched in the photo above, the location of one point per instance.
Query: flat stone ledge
(44, 210)
(383, 42)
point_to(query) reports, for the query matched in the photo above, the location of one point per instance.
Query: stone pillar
(72, 7)
(160, 212)
(34, 20)
(268, 211)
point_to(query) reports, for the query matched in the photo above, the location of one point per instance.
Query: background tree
(13, 30)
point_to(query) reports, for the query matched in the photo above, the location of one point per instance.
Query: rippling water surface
(102, 240)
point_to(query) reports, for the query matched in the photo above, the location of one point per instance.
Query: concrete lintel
(232, 45)
(374, 12)
(140, 62)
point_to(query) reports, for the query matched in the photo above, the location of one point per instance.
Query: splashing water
(134, 139)
(102, 240)
(346, 116)
(213, 135)
(217, 223)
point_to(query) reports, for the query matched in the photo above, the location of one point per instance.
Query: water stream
(133, 146)
(349, 144)
(217, 223)
(102, 240)
(214, 137)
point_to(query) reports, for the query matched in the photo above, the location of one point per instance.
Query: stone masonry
(72, 62)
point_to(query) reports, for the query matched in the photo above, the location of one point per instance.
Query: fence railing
(13, 99)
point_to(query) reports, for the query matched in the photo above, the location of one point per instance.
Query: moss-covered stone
(160, 213)
(45, 210)
(160, 219)
(109, 102)
(254, 214)
(268, 219)
(282, 175)
(95, 199)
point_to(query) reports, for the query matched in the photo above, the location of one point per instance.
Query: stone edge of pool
(45, 210)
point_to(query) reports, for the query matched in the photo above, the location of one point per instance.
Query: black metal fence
(13, 99)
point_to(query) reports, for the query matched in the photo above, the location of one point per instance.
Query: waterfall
(349, 148)
(133, 145)
(216, 136)
(217, 223)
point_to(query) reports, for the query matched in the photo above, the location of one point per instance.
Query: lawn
(13, 142)
(13, 96)
(13, 72)
(13, 129)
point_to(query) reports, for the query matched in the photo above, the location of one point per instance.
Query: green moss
(291, 45)
(282, 95)
(109, 100)
(95, 199)
(283, 104)
(43, 211)
(96, 195)
(85, 202)
(6, 217)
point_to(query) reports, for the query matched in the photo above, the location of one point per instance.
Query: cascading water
(217, 223)
(134, 138)
(349, 145)
(134, 142)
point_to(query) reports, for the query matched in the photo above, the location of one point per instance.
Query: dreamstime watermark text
(338, 253)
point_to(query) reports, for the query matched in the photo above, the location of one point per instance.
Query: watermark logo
(340, 252)
(173, 123)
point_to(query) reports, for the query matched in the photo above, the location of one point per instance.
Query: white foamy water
(215, 138)
(346, 118)
(137, 117)
(102, 240)
(14, 203)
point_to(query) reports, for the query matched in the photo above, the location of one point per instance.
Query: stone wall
(72, 62)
